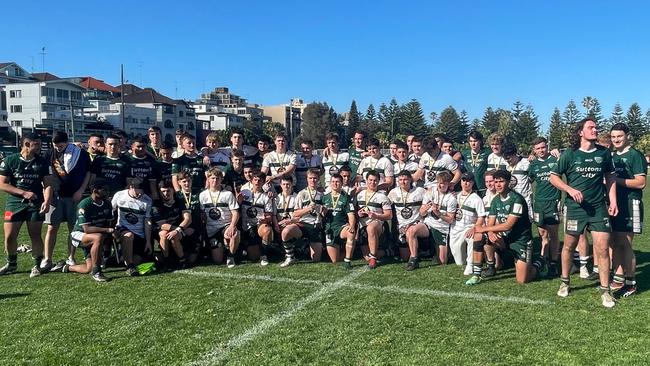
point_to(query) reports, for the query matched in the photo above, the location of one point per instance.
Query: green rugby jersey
(113, 171)
(26, 175)
(192, 165)
(585, 171)
(190, 202)
(145, 168)
(355, 157)
(477, 164)
(513, 204)
(163, 213)
(93, 214)
(627, 165)
(337, 210)
(540, 172)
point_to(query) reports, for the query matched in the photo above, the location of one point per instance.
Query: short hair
(166, 145)
(113, 136)
(416, 139)
(620, 127)
(213, 136)
(259, 174)
(336, 176)
(182, 175)
(215, 171)
(345, 168)
(509, 149)
(395, 142)
(97, 185)
(405, 173)
(187, 136)
(280, 135)
(496, 139)
(374, 173)
(249, 166)
(373, 142)
(429, 142)
(444, 176)
(179, 132)
(139, 139)
(29, 136)
(135, 182)
(287, 178)
(154, 129)
(332, 136)
(402, 145)
(307, 142)
(476, 135)
(59, 137)
(440, 136)
(489, 173)
(360, 133)
(539, 140)
(165, 183)
(95, 134)
(313, 171)
(237, 154)
(265, 139)
(121, 133)
(502, 174)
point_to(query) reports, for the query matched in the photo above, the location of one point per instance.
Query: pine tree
(555, 133)
(476, 125)
(490, 121)
(354, 120)
(635, 121)
(449, 124)
(370, 122)
(413, 122)
(570, 117)
(616, 117)
(526, 128)
(505, 124)
(393, 117)
(317, 120)
(595, 112)
(464, 125)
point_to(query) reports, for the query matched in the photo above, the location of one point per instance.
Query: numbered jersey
(132, 212)
(376, 202)
(305, 198)
(434, 165)
(446, 203)
(217, 207)
(407, 205)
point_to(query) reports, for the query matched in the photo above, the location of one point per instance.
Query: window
(62, 93)
(211, 118)
(169, 123)
(16, 109)
(15, 94)
(75, 95)
(48, 92)
(180, 113)
(17, 123)
(190, 126)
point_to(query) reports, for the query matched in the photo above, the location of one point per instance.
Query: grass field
(316, 314)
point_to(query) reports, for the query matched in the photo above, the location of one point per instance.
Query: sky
(468, 54)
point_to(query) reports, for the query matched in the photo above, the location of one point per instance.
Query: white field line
(221, 352)
(390, 289)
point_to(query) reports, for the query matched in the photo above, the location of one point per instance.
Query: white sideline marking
(392, 289)
(221, 352)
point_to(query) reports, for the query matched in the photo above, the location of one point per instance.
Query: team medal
(214, 214)
(406, 212)
(334, 170)
(131, 218)
(459, 214)
(431, 176)
(513, 182)
(251, 212)
(311, 200)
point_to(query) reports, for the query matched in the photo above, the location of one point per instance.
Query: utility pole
(72, 120)
(122, 96)
(42, 53)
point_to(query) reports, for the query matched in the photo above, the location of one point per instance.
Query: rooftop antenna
(140, 69)
(42, 53)
(175, 89)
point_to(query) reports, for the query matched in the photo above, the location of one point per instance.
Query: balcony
(66, 101)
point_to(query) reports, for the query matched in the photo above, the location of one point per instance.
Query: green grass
(178, 318)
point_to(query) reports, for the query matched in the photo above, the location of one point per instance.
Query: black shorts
(217, 240)
(250, 237)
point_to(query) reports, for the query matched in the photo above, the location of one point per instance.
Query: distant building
(220, 106)
(288, 115)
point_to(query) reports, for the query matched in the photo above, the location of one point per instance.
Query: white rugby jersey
(218, 159)
(469, 209)
(254, 206)
(132, 212)
(305, 198)
(302, 167)
(411, 166)
(249, 152)
(520, 181)
(376, 202)
(407, 204)
(218, 207)
(278, 163)
(446, 203)
(434, 165)
(284, 206)
(487, 199)
(333, 163)
(496, 162)
(382, 165)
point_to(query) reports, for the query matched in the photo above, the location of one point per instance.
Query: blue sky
(469, 54)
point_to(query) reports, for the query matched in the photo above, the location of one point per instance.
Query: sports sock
(602, 289)
(490, 264)
(37, 261)
(595, 268)
(630, 281)
(584, 261)
(96, 269)
(289, 246)
(12, 259)
(477, 269)
(565, 280)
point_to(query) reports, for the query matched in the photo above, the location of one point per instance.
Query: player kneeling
(508, 227)
(407, 201)
(340, 221)
(374, 211)
(171, 218)
(257, 208)
(133, 228)
(309, 211)
(92, 228)
(221, 214)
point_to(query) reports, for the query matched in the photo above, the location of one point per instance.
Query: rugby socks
(595, 268)
(565, 280)
(289, 246)
(96, 269)
(12, 259)
(603, 289)
(477, 269)
(618, 281)
(490, 264)
(584, 261)
(347, 260)
(538, 264)
(37, 261)
(576, 258)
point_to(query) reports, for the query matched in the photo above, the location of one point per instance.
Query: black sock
(96, 269)
(490, 264)
(565, 280)
(37, 261)
(12, 259)
(289, 246)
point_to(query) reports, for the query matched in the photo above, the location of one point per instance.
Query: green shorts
(26, 213)
(629, 218)
(523, 250)
(313, 234)
(333, 236)
(439, 238)
(545, 213)
(576, 220)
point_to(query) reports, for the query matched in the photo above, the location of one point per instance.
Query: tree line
(519, 123)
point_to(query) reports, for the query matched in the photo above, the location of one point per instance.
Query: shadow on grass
(11, 296)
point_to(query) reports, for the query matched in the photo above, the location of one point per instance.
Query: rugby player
(234, 175)
(476, 160)
(251, 155)
(305, 162)
(434, 161)
(170, 218)
(279, 163)
(191, 163)
(145, 167)
(257, 211)
(192, 235)
(155, 141)
(357, 152)
(402, 162)
(333, 158)
(284, 222)
(165, 161)
(495, 160)
(439, 212)
(309, 210)
(340, 222)
(374, 211)
(375, 161)
(212, 155)
(95, 145)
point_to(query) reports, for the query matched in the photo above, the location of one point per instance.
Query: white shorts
(75, 238)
